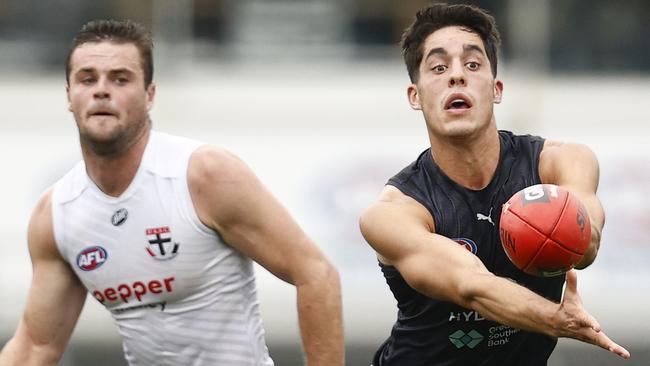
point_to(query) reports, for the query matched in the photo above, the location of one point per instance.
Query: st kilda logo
(161, 246)
(91, 258)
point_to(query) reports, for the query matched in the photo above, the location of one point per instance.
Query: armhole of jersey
(537, 155)
(185, 196)
(57, 223)
(416, 197)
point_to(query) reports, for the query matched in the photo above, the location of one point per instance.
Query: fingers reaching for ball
(602, 340)
(581, 325)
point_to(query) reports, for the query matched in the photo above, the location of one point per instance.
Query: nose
(457, 77)
(101, 89)
(457, 81)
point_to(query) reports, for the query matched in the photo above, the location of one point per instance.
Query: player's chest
(140, 251)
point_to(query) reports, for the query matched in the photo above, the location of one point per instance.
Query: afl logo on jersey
(91, 258)
(161, 246)
(467, 243)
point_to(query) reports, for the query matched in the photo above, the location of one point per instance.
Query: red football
(545, 230)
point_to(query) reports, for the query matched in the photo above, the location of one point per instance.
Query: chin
(102, 140)
(110, 137)
(100, 133)
(460, 129)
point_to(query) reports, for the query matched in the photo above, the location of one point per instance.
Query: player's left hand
(575, 322)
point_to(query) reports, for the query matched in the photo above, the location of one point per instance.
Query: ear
(413, 96)
(498, 91)
(67, 95)
(151, 94)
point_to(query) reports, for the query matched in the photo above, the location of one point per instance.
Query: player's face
(107, 96)
(456, 90)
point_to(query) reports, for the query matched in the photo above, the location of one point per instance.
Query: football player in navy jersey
(468, 304)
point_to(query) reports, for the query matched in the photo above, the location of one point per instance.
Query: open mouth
(457, 102)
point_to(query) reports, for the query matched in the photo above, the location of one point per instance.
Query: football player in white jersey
(110, 92)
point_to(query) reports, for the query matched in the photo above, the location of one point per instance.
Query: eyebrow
(121, 70)
(467, 48)
(85, 69)
(113, 71)
(437, 51)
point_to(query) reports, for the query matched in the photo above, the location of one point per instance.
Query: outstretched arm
(231, 200)
(575, 167)
(55, 299)
(403, 234)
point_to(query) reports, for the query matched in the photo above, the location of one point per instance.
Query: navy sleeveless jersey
(430, 332)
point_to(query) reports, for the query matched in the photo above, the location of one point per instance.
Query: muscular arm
(575, 167)
(55, 299)
(231, 200)
(403, 234)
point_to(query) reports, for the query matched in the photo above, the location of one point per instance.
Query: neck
(468, 161)
(114, 172)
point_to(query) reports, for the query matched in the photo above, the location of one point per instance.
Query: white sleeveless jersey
(179, 295)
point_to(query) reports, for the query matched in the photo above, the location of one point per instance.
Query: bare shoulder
(221, 185)
(556, 149)
(559, 159)
(392, 201)
(40, 235)
(218, 172)
(215, 164)
(388, 217)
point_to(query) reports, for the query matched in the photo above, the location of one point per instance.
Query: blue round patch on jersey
(467, 243)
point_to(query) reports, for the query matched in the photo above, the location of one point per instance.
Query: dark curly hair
(438, 16)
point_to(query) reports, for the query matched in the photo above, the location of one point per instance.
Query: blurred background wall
(312, 95)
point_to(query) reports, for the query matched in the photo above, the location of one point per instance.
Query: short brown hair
(439, 16)
(119, 32)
